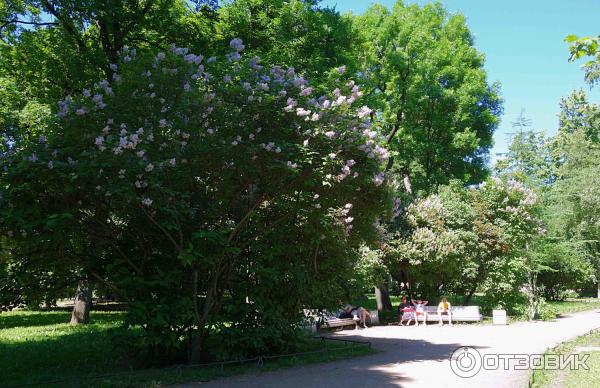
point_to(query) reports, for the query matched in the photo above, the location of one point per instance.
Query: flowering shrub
(209, 192)
(470, 239)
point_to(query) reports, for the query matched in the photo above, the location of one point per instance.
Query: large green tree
(183, 185)
(430, 92)
(563, 171)
(52, 49)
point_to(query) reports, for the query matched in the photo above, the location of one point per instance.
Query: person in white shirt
(420, 310)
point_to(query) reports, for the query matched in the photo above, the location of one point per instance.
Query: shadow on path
(378, 369)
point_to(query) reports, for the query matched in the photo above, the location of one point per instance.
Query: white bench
(459, 314)
(327, 319)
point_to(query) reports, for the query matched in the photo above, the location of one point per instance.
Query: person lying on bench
(444, 308)
(405, 310)
(362, 313)
(420, 310)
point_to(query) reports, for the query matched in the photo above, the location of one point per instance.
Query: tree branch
(165, 232)
(6, 23)
(244, 220)
(66, 24)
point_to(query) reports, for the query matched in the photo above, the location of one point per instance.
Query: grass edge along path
(544, 378)
(40, 348)
(206, 372)
(185, 373)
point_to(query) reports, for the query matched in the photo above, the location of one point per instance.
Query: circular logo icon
(465, 362)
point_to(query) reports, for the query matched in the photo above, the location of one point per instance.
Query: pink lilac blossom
(378, 179)
(364, 111)
(306, 92)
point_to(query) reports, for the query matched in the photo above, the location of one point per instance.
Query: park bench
(332, 322)
(328, 319)
(459, 314)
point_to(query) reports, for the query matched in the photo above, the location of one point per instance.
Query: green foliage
(469, 239)
(547, 312)
(530, 160)
(292, 33)
(581, 47)
(577, 114)
(369, 271)
(183, 182)
(565, 267)
(426, 81)
(560, 169)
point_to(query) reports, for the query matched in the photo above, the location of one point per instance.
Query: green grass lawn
(572, 378)
(41, 347)
(573, 306)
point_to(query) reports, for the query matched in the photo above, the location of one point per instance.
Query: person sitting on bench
(420, 310)
(444, 308)
(405, 310)
(346, 312)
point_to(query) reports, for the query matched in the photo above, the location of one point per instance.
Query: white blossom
(364, 111)
(301, 112)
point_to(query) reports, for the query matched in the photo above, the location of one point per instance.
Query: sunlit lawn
(42, 346)
(573, 306)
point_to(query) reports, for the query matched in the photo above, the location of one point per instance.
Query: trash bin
(499, 317)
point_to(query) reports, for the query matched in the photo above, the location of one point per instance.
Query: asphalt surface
(420, 357)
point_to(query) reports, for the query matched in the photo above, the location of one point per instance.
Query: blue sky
(523, 42)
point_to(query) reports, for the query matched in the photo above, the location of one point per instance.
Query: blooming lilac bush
(206, 191)
(470, 239)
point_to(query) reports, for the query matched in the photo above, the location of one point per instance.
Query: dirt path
(420, 356)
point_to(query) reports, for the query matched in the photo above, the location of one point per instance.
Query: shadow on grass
(88, 358)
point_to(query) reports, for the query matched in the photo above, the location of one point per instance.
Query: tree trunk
(407, 184)
(598, 283)
(531, 297)
(198, 352)
(83, 303)
(469, 296)
(382, 296)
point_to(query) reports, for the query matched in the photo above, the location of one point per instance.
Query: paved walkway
(419, 356)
